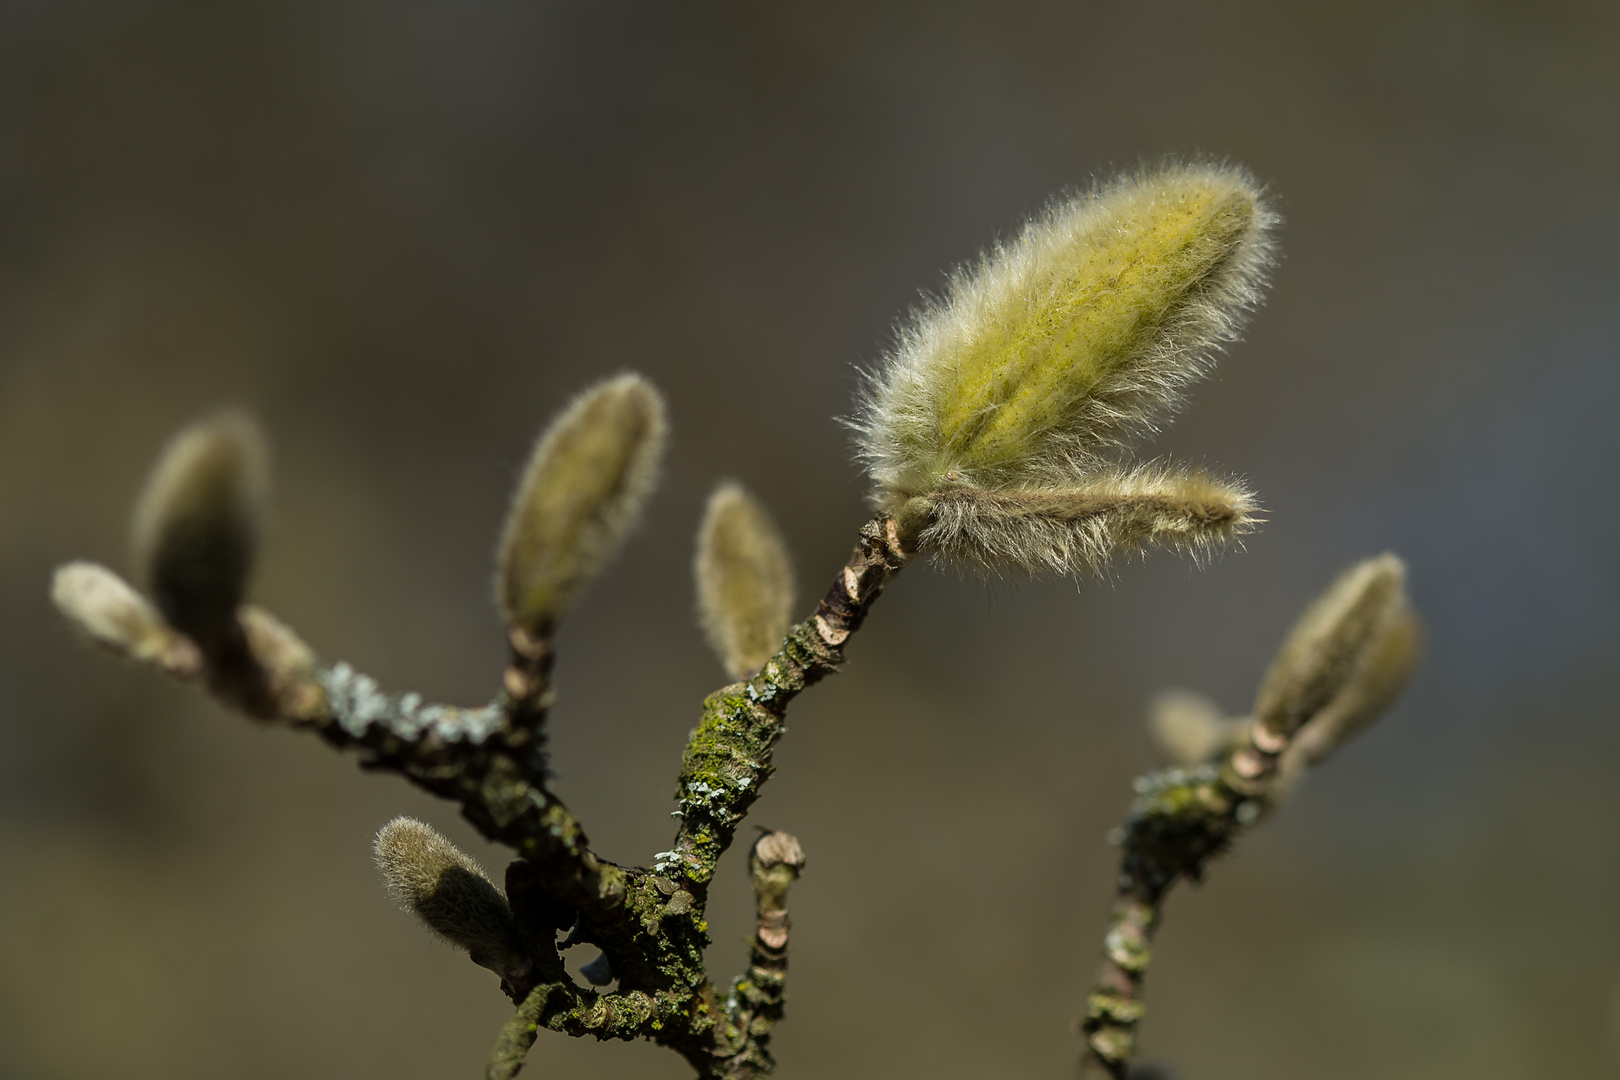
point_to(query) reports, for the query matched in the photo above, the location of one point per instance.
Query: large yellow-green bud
(579, 498)
(1059, 346)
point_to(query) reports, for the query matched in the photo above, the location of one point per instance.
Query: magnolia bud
(984, 429)
(451, 894)
(1386, 667)
(744, 581)
(1077, 334)
(1082, 528)
(1339, 642)
(579, 497)
(197, 523)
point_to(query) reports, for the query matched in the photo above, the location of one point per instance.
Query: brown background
(404, 233)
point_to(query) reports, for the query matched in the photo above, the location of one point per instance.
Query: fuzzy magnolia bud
(115, 616)
(1359, 633)
(1079, 529)
(1386, 667)
(197, 523)
(580, 496)
(744, 581)
(451, 894)
(1071, 339)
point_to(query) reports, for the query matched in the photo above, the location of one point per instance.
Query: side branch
(758, 996)
(1182, 817)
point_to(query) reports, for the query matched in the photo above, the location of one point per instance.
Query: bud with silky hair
(744, 581)
(433, 880)
(198, 521)
(580, 496)
(987, 430)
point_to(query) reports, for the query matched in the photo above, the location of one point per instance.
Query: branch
(728, 757)
(758, 996)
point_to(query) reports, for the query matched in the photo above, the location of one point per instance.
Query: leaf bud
(107, 609)
(1083, 527)
(579, 497)
(197, 523)
(744, 581)
(1191, 728)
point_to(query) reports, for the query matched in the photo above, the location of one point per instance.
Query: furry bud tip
(579, 498)
(1351, 652)
(108, 610)
(744, 581)
(451, 894)
(1080, 528)
(197, 523)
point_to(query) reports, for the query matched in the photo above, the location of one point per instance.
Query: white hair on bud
(1077, 336)
(1083, 529)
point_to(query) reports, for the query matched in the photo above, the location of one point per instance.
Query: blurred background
(403, 234)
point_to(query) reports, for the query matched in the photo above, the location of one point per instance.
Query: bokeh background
(403, 234)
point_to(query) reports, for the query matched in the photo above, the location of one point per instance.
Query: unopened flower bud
(1337, 643)
(1387, 665)
(1075, 335)
(744, 581)
(984, 430)
(198, 521)
(579, 498)
(451, 894)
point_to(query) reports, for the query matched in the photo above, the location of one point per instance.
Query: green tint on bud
(1075, 336)
(197, 523)
(1387, 666)
(579, 497)
(1359, 632)
(115, 616)
(1079, 529)
(744, 581)
(451, 894)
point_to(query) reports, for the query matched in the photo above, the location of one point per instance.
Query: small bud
(1328, 648)
(1387, 666)
(580, 496)
(451, 894)
(197, 523)
(744, 581)
(1190, 728)
(1073, 337)
(115, 616)
(1083, 528)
